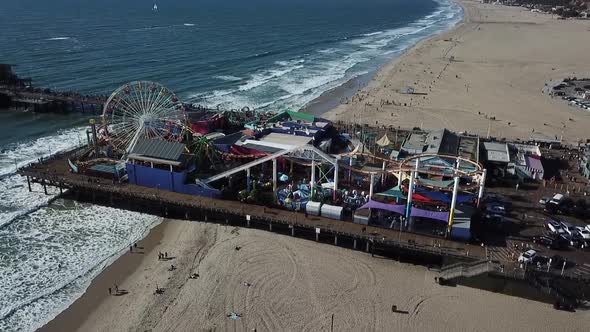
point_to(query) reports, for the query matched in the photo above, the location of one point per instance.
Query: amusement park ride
(144, 110)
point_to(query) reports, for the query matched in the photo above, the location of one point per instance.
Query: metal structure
(142, 109)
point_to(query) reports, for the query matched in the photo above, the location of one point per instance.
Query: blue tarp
(443, 197)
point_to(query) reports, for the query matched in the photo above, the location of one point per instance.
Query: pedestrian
(110, 291)
(130, 248)
(165, 254)
(116, 288)
(135, 245)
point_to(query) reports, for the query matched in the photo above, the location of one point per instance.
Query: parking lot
(516, 220)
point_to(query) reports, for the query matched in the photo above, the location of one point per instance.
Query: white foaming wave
(328, 50)
(229, 78)
(27, 152)
(289, 63)
(264, 88)
(59, 38)
(17, 201)
(188, 24)
(53, 254)
(259, 79)
(372, 33)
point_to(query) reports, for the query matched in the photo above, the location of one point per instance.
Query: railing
(466, 269)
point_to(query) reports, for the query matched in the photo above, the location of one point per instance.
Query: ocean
(267, 55)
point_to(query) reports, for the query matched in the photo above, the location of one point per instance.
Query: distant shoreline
(482, 77)
(333, 97)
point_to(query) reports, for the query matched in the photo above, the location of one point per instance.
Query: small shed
(313, 208)
(332, 211)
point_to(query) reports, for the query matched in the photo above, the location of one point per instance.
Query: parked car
(527, 256)
(584, 233)
(543, 240)
(544, 200)
(496, 209)
(568, 228)
(588, 227)
(555, 227)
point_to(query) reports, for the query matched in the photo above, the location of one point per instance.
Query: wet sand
(484, 76)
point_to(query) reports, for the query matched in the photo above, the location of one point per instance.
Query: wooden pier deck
(56, 173)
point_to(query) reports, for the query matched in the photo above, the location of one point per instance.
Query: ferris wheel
(142, 109)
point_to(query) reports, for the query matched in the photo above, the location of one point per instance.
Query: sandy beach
(280, 283)
(494, 64)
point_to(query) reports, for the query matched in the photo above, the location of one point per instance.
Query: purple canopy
(416, 212)
(400, 209)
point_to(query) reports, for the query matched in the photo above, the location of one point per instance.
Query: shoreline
(480, 76)
(332, 98)
(119, 271)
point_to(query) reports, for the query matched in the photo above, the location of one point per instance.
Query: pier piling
(270, 226)
(354, 244)
(335, 240)
(292, 230)
(29, 183)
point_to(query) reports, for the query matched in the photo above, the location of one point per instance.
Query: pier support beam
(335, 240)
(317, 237)
(274, 175)
(29, 183)
(367, 247)
(335, 178)
(411, 192)
(354, 244)
(482, 185)
(44, 186)
(349, 170)
(292, 230)
(248, 180)
(383, 174)
(371, 186)
(270, 226)
(312, 179)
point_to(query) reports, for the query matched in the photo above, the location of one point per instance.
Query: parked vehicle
(557, 199)
(555, 227)
(543, 240)
(584, 233)
(527, 256)
(568, 228)
(496, 209)
(544, 200)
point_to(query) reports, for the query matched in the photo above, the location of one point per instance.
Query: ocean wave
(259, 79)
(20, 154)
(228, 78)
(59, 38)
(288, 85)
(372, 33)
(53, 254)
(189, 24)
(17, 201)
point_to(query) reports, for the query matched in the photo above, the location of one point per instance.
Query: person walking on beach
(116, 288)
(165, 254)
(130, 248)
(110, 291)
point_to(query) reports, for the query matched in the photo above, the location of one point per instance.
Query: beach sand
(295, 285)
(502, 58)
